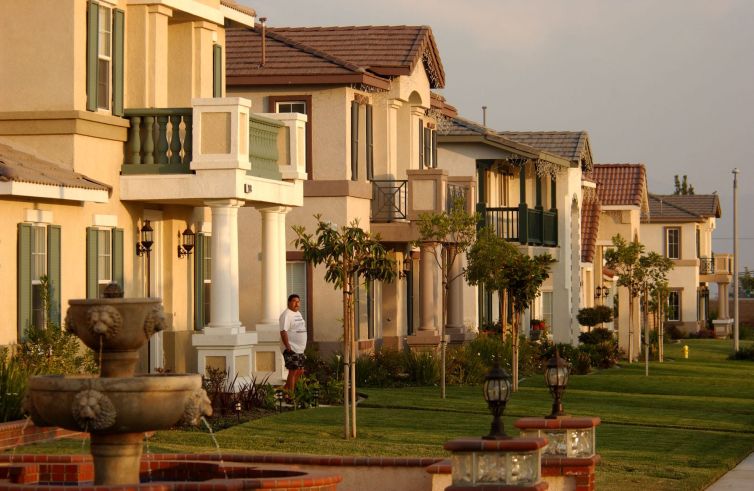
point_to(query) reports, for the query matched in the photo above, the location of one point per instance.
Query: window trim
(272, 102)
(108, 58)
(109, 241)
(292, 256)
(666, 232)
(679, 293)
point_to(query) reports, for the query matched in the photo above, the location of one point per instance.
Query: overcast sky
(669, 83)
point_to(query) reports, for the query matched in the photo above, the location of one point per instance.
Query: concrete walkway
(740, 478)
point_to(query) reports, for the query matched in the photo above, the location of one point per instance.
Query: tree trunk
(346, 359)
(630, 328)
(503, 313)
(353, 375)
(647, 341)
(444, 321)
(514, 350)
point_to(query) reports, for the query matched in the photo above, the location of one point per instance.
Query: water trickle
(86, 438)
(20, 438)
(217, 445)
(149, 457)
(100, 355)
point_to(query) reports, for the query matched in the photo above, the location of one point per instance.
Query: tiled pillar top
(562, 423)
(472, 444)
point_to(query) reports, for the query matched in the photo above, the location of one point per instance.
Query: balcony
(539, 227)
(716, 268)
(388, 200)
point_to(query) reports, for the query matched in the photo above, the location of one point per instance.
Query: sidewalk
(740, 477)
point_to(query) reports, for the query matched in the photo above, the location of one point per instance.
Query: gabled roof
(438, 102)
(572, 145)
(590, 225)
(231, 4)
(621, 184)
(461, 129)
(683, 208)
(19, 166)
(293, 52)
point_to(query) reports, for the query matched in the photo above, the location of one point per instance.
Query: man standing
(293, 334)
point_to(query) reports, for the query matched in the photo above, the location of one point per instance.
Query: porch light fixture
(601, 292)
(144, 246)
(186, 242)
(497, 390)
(279, 396)
(556, 378)
(406, 266)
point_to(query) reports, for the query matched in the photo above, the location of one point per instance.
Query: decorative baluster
(187, 141)
(175, 139)
(161, 156)
(149, 140)
(135, 141)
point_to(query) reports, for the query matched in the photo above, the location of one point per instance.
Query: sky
(668, 83)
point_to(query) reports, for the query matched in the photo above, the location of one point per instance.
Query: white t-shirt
(295, 325)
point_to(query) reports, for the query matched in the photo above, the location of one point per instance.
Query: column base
(424, 341)
(394, 343)
(723, 328)
(459, 334)
(232, 353)
(268, 355)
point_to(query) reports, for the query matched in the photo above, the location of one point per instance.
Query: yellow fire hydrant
(685, 351)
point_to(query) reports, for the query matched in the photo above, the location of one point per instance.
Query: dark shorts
(293, 360)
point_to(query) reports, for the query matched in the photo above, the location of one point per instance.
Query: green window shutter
(370, 143)
(24, 279)
(434, 149)
(421, 144)
(217, 71)
(117, 252)
(354, 141)
(118, 27)
(92, 34)
(427, 148)
(91, 262)
(199, 253)
(53, 271)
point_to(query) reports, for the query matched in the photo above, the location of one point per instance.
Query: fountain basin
(116, 405)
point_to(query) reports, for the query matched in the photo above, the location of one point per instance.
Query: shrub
(596, 336)
(464, 366)
(675, 332)
(13, 379)
(704, 334)
(744, 353)
(588, 317)
(255, 394)
(423, 368)
(604, 313)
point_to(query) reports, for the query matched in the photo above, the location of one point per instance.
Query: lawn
(681, 428)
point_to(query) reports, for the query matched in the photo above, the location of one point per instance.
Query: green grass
(680, 428)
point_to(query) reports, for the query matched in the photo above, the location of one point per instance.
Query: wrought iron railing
(706, 265)
(717, 264)
(159, 141)
(537, 227)
(503, 222)
(454, 192)
(389, 200)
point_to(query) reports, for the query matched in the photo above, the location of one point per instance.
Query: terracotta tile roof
(19, 166)
(383, 51)
(590, 225)
(240, 8)
(693, 207)
(572, 145)
(620, 184)
(438, 102)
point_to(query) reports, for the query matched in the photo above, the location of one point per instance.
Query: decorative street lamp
(556, 377)
(186, 240)
(144, 248)
(315, 396)
(497, 390)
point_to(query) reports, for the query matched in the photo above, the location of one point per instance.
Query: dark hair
(292, 296)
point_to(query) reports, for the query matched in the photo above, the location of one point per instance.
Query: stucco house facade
(112, 123)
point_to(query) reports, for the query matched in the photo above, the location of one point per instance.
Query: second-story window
(291, 107)
(673, 242)
(698, 243)
(104, 56)
(427, 147)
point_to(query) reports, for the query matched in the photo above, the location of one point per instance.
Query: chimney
(484, 116)
(263, 21)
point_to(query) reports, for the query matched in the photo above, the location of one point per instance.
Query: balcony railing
(388, 200)
(159, 141)
(539, 227)
(263, 147)
(717, 264)
(455, 191)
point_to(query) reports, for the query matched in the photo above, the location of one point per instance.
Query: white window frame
(102, 282)
(38, 257)
(280, 104)
(105, 56)
(289, 271)
(207, 279)
(668, 230)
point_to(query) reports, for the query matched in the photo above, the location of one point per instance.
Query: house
(371, 156)
(121, 161)
(623, 199)
(680, 227)
(529, 193)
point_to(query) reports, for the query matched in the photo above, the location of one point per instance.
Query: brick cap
(549, 460)
(476, 444)
(540, 486)
(564, 423)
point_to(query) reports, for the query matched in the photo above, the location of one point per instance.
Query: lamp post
(556, 377)
(735, 259)
(237, 407)
(497, 390)
(144, 248)
(279, 396)
(186, 242)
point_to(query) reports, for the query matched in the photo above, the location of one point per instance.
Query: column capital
(225, 203)
(274, 209)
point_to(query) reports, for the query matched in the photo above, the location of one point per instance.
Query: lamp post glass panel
(556, 377)
(497, 390)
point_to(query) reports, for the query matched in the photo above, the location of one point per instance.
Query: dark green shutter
(370, 143)
(24, 279)
(434, 149)
(91, 263)
(427, 148)
(92, 35)
(199, 252)
(118, 257)
(217, 71)
(53, 271)
(421, 144)
(354, 141)
(118, 27)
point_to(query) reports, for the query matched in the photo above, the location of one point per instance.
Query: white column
(270, 264)
(224, 292)
(455, 295)
(282, 260)
(427, 267)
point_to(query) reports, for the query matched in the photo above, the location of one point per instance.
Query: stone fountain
(117, 407)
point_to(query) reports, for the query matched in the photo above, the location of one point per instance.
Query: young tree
(454, 231)
(498, 265)
(653, 274)
(624, 259)
(682, 187)
(348, 254)
(746, 282)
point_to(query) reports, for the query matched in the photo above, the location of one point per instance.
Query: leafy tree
(604, 313)
(682, 187)
(589, 317)
(348, 254)
(746, 282)
(454, 231)
(624, 259)
(653, 275)
(497, 264)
